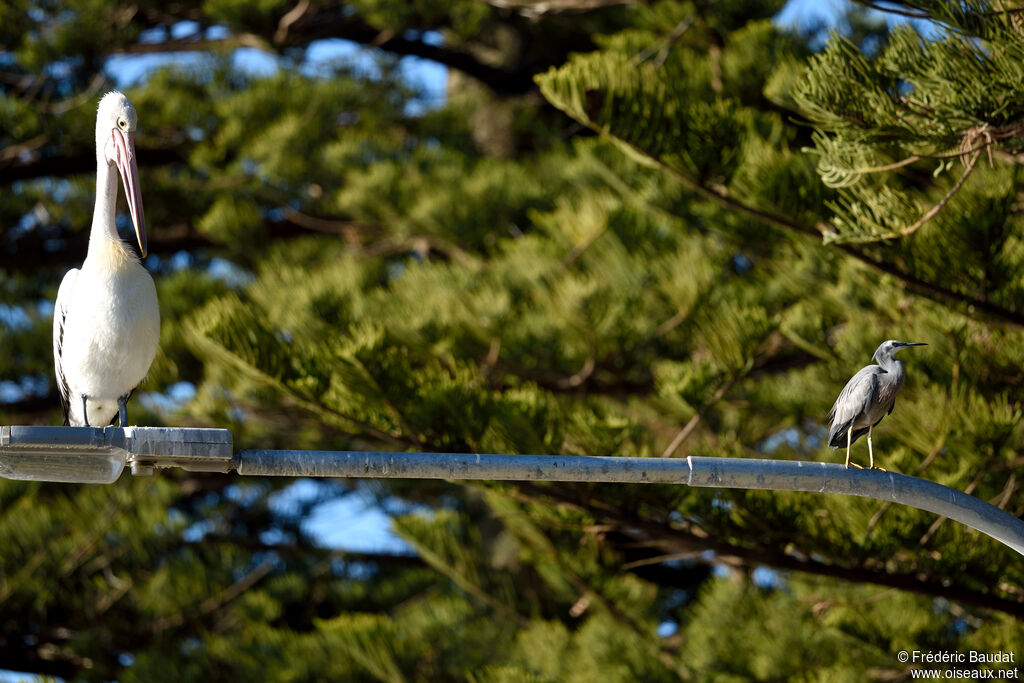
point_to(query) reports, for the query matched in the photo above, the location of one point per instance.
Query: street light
(99, 455)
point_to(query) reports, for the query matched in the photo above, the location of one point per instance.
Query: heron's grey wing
(60, 312)
(853, 402)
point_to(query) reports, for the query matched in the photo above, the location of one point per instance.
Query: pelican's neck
(104, 245)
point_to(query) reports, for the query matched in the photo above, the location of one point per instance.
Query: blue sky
(429, 77)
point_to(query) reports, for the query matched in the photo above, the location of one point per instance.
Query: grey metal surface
(776, 475)
(193, 449)
(87, 456)
(461, 466)
(821, 477)
(94, 454)
(98, 454)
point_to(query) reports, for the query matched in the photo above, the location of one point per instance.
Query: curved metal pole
(98, 455)
(740, 473)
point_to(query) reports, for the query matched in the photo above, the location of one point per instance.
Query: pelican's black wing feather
(60, 313)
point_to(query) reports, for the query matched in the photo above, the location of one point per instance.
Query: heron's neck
(891, 365)
(104, 244)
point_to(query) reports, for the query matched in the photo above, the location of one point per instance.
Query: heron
(106, 320)
(869, 396)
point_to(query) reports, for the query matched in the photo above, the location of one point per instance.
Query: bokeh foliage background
(645, 229)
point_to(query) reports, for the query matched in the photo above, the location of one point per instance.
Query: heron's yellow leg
(872, 455)
(849, 440)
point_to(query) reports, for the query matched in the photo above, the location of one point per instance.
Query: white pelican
(106, 321)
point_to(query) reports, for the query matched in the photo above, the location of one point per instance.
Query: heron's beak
(123, 154)
(905, 344)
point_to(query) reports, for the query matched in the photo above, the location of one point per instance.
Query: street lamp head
(95, 455)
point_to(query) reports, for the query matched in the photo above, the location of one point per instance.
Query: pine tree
(686, 251)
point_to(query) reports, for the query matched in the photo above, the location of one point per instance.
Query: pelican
(106, 321)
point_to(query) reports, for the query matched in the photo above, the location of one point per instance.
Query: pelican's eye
(122, 123)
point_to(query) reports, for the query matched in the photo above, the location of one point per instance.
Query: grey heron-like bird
(869, 396)
(106, 320)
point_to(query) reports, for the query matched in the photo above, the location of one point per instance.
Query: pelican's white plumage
(106, 321)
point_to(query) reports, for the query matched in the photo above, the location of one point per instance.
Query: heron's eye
(122, 123)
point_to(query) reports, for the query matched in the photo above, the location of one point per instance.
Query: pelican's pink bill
(124, 157)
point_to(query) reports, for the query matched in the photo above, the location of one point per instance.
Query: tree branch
(27, 255)
(33, 407)
(677, 541)
(888, 8)
(216, 601)
(84, 161)
(40, 659)
(932, 212)
(929, 290)
(538, 8)
(337, 23)
(688, 428)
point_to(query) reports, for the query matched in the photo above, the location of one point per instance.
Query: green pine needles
(649, 229)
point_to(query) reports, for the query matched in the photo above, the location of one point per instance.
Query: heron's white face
(891, 346)
(888, 347)
(115, 143)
